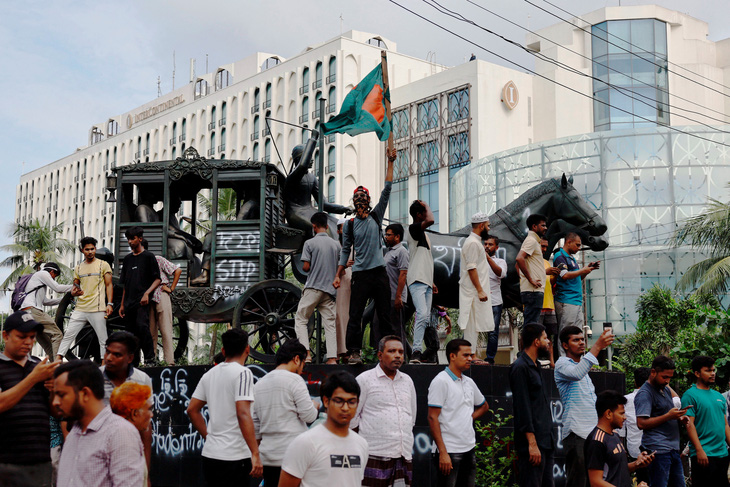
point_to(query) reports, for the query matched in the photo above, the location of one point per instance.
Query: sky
(68, 65)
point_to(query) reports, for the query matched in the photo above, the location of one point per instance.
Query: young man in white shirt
(497, 272)
(454, 402)
(386, 416)
(282, 409)
(230, 454)
(50, 338)
(330, 454)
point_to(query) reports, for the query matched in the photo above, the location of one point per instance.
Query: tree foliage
(680, 328)
(709, 233)
(495, 454)
(34, 243)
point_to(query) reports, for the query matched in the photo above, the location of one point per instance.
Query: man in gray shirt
(319, 258)
(369, 279)
(396, 265)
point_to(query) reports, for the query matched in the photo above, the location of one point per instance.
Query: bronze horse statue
(556, 199)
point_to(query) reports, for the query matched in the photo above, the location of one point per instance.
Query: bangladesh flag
(363, 109)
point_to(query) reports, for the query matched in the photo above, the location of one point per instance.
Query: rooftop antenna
(159, 87)
(173, 70)
(192, 70)
(206, 63)
(341, 19)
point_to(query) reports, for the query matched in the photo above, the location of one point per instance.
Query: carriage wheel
(266, 311)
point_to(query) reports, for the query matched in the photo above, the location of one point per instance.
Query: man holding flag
(366, 109)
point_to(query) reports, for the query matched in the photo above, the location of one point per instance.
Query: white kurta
(474, 314)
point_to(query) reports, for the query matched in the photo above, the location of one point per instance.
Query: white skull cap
(479, 217)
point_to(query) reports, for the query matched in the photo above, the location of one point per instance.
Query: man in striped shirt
(578, 396)
(230, 454)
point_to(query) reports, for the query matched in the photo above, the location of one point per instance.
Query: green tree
(709, 233)
(34, 243)
(227, 199)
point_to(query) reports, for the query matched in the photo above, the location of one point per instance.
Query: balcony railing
(329, 139)
(137, 154)
(222, 122)
(221, 147)
(211, 151)
(317, 84)
(173, 141)
(265, 132)
(181, 138)
(331, 108)
(267, 104)
(304, 89)
(315, 114)
(147, 151)
(255, 136)
(304, 118)
(331, 78)
(255, 108)
(211, 125)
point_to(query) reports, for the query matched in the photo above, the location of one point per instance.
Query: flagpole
(386, 86)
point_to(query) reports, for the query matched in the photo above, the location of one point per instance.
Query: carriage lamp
(111, 186)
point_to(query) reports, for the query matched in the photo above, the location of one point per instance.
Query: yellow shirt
(531, 247)
(92, 284)
(548, 302)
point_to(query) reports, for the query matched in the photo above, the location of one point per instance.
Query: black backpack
(19, 293)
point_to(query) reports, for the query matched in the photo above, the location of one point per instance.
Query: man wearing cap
(475, 310)
(24, 401)
(50, 337)
(300, 186)
(369, 278)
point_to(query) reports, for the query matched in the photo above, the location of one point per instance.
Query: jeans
(271, 476)
(464, 470)
(218, 473)
(371, 283)
(575, 464)
(532, 303)
(35, 474)
(529, 475)
(714, 474)
(422, 295)
(493, 341)
(666, 470)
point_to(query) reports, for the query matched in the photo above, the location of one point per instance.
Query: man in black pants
(369, 278)
(140, 276)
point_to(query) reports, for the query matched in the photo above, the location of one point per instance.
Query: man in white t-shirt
(230, 453)
(452, 399)
(497, 272)
(282, 409)
(330, 454)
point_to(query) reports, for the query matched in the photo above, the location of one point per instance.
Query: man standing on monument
(532, 269)
(569, 285)
(369, 278)
(497, 272)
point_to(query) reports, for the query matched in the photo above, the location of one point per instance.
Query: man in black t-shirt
(140, 276)
(605, 455)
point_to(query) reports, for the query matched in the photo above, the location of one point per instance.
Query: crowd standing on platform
(76, 423)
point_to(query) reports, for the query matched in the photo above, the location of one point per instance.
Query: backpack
(19, 293)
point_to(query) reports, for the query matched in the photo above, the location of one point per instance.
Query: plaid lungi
(388, 472)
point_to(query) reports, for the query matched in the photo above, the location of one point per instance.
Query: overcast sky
(68, 65)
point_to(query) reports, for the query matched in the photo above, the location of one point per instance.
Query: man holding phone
(707, 429)
(659, 420)
(569, 287)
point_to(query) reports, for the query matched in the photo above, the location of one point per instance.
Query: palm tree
(34, 243)
(709, 233)
(227, 198)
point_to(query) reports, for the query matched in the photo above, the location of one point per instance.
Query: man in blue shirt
(369, 278)
(569, 286)
(659, 420)
(578, 396)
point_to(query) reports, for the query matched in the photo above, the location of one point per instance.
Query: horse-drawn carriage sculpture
(235, 272)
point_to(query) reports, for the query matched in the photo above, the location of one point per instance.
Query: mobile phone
(608, 327)
(689, 406)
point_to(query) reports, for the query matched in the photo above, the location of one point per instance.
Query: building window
(96, 135)
(428, 115)
(267, 150)
(458, 105)
(331, 159)
(400, 124)
(223, 79)
(201, 88)
(112, 128)
(459, 148)
(332, 100)
(377, 42)
(212, 117)
(270, 63)
(256, 126)
(317, 76)
(267, 101)
(224, 109)
(428, 156)
(625, 58)
(331, 189)
(174, 152)
(305, 82)
(256, 151)
(223, 140)
(305, 134)
(332, 70)
(399, 194)
(184, 129)
(428, 191)
(305, 110)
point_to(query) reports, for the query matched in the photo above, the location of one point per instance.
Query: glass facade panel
(398, 204)
(400, 124)
(459, 148)
(458, 105)
(629, 61)
(428, 191)
(428, 115)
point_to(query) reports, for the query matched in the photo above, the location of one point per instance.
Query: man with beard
(330, 453)
(579, 397)
(24, 408)
(707, 429)
(531, 267)
(102, 449)
(140, 277)
(606, 458)
(533, 422)
(497, 272)
(454, 402)
(475, 310)
(369, 278)
(386, 415)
